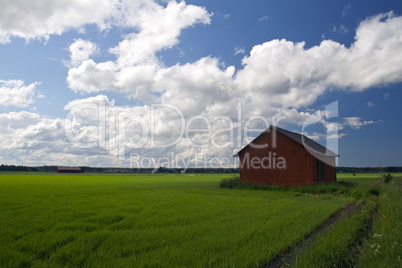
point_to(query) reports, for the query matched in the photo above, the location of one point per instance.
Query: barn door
(320, 171)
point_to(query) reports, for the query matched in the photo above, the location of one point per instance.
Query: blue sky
(273, 59)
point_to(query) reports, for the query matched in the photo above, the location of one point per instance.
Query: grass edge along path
(369, 238)
(383, 247)
(338, 246)
(290, 254)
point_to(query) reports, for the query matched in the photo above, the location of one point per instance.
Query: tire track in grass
(289, 254)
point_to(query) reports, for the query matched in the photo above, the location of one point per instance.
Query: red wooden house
(282, 157)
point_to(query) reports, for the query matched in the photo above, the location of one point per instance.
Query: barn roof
(300, 138)
(70, 168)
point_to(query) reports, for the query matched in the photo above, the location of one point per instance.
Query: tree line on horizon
(3, 167)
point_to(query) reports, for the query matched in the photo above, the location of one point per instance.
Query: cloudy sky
(117, 82)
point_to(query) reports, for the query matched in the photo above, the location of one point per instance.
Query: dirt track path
(285, 258)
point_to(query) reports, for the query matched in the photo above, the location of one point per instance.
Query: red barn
(69, 170)
(282, 157)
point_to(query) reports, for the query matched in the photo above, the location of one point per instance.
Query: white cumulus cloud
(16, 93)
(279, 78)
(137, 66)
(41, 18)
(81, 50)
(278, 72)
(284, 73)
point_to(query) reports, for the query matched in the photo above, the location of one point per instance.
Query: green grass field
(64, 220)
(181, 220)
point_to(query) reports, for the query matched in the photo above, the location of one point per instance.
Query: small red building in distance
(281, 157)
(69, 170)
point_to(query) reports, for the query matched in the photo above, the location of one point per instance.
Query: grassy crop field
(61, 220)
(82, 220)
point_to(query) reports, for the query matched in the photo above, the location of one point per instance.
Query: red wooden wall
(300, 169)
